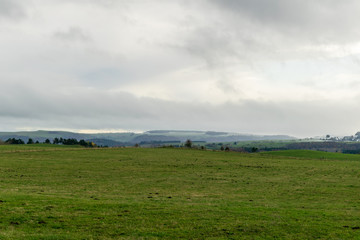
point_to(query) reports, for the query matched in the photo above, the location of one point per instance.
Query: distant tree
(47, 141)
(56, 141)
(222, 148)
(30, 141)
(70, 141)
(136, 145)
(37, 142)
(227, 149)
(188, 143)
(14, 141)
(84, 143)
(254, 149)
(357, 135)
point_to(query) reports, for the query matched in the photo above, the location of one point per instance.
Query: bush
(188, 143)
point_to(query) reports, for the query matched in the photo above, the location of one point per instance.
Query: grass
(50, 192)
(260, 144)
(309, 154)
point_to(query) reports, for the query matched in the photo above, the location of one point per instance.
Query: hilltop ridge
(130, 138)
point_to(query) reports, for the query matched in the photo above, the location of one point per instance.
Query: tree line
(57, 141)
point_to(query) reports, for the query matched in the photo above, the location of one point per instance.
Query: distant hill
(212, 136)
(129, 138)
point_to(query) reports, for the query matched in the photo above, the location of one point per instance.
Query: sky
(246, 66)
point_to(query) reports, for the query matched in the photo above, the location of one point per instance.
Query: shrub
(188, 143)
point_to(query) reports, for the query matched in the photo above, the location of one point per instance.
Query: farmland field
(58, 192)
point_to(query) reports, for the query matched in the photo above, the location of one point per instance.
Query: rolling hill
(130, 138)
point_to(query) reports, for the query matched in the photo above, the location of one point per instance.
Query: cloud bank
(255, 66)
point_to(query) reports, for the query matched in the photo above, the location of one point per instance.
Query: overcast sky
(248, 66)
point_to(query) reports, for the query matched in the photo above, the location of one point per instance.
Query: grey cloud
(218, 45)
(92, 109)
(69, 81)
(326, 21)
(73, 34)
(252, 30)
(11, 9)
(106, 4)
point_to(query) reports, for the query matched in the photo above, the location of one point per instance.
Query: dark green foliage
(188, 143)
(56, 141)
(14, 141)
(70, 141)
(30, 141)
(84, 143)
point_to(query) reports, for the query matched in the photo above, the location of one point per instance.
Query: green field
(57, 192)
(308, 154)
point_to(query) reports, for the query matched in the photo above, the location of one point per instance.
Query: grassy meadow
(58, 192)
